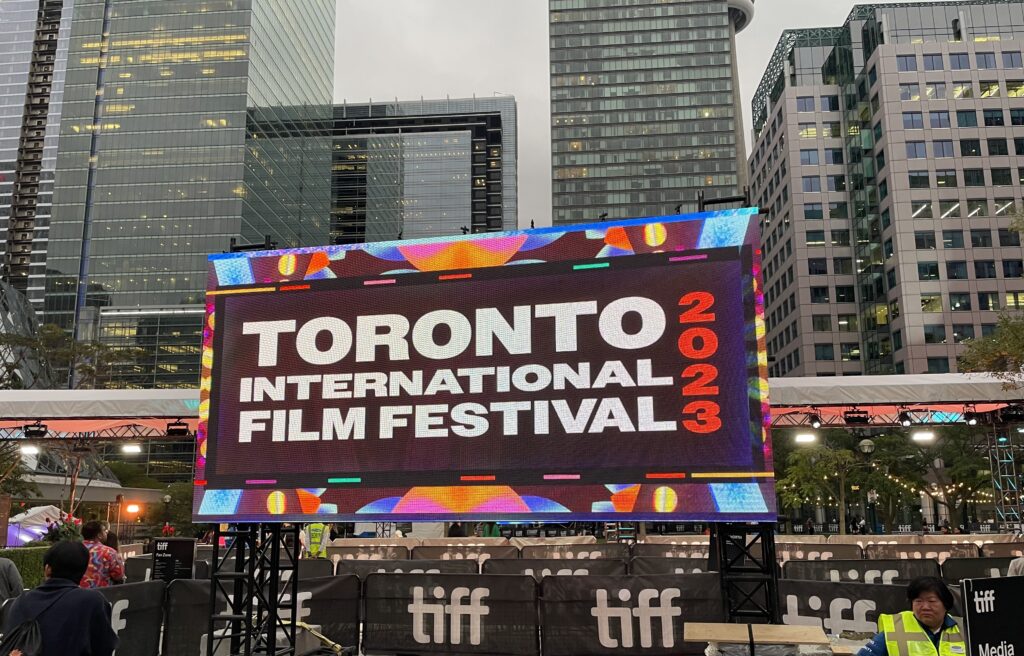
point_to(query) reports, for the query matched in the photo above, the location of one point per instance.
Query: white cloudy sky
(458, 48)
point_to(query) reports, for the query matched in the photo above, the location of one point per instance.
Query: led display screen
(604, 372)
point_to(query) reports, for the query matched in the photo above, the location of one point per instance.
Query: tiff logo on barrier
(650, 604)
(464, 603)
(984, 601)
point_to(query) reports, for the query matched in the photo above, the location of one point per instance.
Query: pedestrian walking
(72, 621)
(105, 565)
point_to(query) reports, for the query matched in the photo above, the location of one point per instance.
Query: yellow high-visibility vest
(904, 636)
(318, 538)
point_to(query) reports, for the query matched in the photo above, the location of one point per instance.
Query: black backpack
(26, 637)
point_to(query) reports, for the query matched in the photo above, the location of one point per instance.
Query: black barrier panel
(202, 569)
(538, 568)
(450, 614)
(1003, 549)
(626, 614)
(670, 551)
(993, 617)
(382, 552)
(138, 568)
(187, 618)
(955, 570)
(886, 572)
(838, 607)
(656, 566)
(136, 615)
(313, 568)
(939, 552)
(465, 552)
(331, 603)
(576, 551)
(363, 568)
(811, 551)
(205, 552)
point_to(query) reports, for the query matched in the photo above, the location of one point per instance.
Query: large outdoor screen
(603, 372)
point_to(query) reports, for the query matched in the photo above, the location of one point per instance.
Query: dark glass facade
(645, 106)
(184, 124)
(423, 169)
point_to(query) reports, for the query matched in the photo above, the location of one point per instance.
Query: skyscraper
(645, 106)
(888, 162)
(184, 125)
(424, 168)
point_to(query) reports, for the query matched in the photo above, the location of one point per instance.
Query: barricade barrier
(668, 550)
(786, 552)
(885, 572)
(571, 539)
(955, 570)
(577, 552)
(369, 552)
(656, 566)
(538, 568)
(363, 568)
(939, 552)
(1003, 549)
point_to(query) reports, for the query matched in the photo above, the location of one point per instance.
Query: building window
(945, 178)
(840, 237)
(883, 189)
(970, 147)
(811, 184)
(1013, 268)
(842, 265)
(1008, 237)
(966, 118)
(878, 131)
(819, 295)
(962, 331)
(890, 278)
(910, 92)
(844, 294)
(924, 240)
(1012, 60)
(1018, 145)
(997, 146)
(815, 237)
(805, 104)
(988, 301)
(977, 207)
(935, 334)
(849, 352)
(916, 150)
(830, 103)
(906, 63)
(848, 323)
(831, 129)
(813, 211)
(956, 270)
(880, 160)
(952, 238)
(974, 177)
(922, 209)
(990, 89)
(931, 302)
(1017, 116)
(950, 209)
(872, 76)
(960, 302)
(913, 121)
(981, 238)
(959, 61)
(824, 352)
(808, 157)
(986, 60)
(1014, 300)
(933, 62)
(821, 323)
(894, 308)
(943, 148)
(1015, 89)
(887, 248)
(833, 155)
(939, 119)
(838, 182)
(897, 340)
(935, 91)
(938, 365)
(1005, 206)
(963, 90)
(994, 118)
(919, 180)
(838, 210)
(927, 270)
(817, 266)
(808, 130)
(984, 269)
(988, 329)
(1001, 177)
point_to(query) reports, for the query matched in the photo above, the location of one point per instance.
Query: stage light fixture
(905, 419)
(131, 449)
(1012, 414)
(177, 429)
(857, 417)
(923, 436)
(814, 420)
(806, 438)
(971, 418)
(30, 450)
(35, 431)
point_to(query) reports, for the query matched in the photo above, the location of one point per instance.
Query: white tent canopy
(86, 404)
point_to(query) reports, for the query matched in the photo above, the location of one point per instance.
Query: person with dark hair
(105, 565)
(925, 630)
(111, 540)
(72, 621)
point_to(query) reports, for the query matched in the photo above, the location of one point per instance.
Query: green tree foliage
(132, 475)
(1001, 354)
(91, 364)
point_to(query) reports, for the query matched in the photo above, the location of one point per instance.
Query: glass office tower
(645, 106)
(184, 125)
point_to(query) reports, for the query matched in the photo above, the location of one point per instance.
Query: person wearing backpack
(59, 618)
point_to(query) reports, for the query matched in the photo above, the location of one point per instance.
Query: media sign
(611, 371)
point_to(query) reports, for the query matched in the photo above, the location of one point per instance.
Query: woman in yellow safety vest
(926, 630)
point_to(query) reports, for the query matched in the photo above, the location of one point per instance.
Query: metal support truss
(744, 555)
(257, 577)
(1003, 445)
(384, 529)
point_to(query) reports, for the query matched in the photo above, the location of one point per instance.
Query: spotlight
(132, 509)
(923, 436)
(971, 418)
(36, 430)
(905, 419)
(1012, 414)
(131, 449)
(30, 450)
(815, 421)
(806, 438)
(857, 417)
(177, 429)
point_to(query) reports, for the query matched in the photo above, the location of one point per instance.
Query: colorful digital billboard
(602, 372)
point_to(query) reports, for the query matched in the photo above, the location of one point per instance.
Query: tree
(1001, 354)
(13, 472)
(88, 365)
(954, 468)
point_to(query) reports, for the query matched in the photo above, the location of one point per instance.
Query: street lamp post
(167, 508)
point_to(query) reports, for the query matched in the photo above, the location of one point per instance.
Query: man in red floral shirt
(105, 565)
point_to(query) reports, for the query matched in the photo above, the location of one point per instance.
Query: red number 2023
(699, 343)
